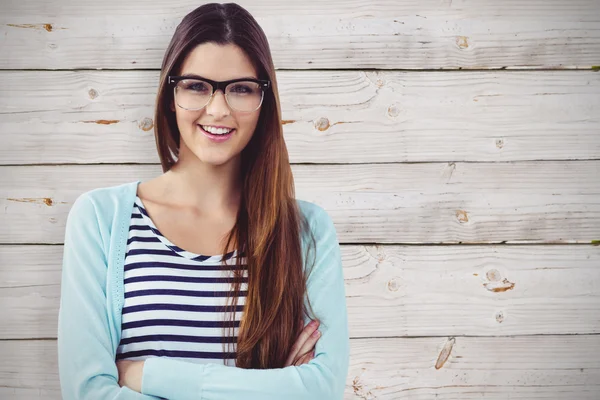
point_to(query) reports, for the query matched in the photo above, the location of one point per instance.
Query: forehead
(218, 62)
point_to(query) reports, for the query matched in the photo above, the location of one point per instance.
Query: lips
(213, 127)
(217, 138)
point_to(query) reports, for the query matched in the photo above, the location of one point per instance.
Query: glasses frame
(216, 85)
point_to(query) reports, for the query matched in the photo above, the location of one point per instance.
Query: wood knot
(360, 390)
(462, 216)
(462, 42)
(146, 124)
(499, 317)
(498, 287)
(93, 93)
(393, 285)
(499, 143)
(493, 275)
(445, 353)
(322, 124)
(393, 111)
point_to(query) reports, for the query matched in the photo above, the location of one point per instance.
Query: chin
(216, 160)
(217, 163)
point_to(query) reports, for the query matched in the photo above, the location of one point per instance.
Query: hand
(303, 350)
(130, 374)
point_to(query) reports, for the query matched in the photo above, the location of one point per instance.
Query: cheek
(248, 122)
(186, 121)
(186, 117)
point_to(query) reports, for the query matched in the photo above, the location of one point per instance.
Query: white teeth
(216, 131)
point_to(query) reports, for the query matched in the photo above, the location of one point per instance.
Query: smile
(216, 137)
(215, 130)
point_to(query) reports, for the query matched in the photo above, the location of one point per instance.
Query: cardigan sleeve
(87, 369)
(324, 377)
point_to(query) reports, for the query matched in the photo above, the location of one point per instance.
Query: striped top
(90, 325)
(174, 299)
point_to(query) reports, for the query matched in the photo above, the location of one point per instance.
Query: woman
(202, 283)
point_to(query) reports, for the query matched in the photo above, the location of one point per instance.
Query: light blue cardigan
(89, 322)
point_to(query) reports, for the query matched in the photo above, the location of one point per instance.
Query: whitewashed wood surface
(525, 202)
(523, 367)
(455, 143)
(391, 290)
(312, 34)
(329, 116)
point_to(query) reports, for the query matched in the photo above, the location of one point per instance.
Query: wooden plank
(30, 288)
(545, 367)
(412, 34)
(526, 202)
(329, 116)
(391, 291)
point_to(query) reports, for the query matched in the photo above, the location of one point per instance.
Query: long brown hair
(269, 226)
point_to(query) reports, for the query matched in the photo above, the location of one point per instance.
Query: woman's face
(219, 63)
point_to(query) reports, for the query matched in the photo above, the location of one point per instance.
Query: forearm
(324, 377)
(178, 380)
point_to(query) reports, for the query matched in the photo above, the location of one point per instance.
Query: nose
(217, 105)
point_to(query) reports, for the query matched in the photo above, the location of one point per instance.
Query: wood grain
(454, 143)
(422, 203)
(542, 367)
(329, 116)
(391, 291)
(413, 34)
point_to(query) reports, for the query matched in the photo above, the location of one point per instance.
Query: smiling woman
(211, 280)
(210, 106)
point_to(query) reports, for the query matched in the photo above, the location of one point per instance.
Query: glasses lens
(192, 94)
(244, 96)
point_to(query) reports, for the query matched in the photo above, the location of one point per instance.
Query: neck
(211, 189)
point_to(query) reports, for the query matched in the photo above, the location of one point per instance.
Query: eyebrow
(194, 76)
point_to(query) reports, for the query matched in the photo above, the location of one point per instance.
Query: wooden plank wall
(456, 144)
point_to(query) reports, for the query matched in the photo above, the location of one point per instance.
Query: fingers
(301, 346)
(305, 359)
(309, 344)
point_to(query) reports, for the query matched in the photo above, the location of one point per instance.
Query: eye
(195, 86)
(243, 88)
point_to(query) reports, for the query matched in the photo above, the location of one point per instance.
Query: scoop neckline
(172, 246)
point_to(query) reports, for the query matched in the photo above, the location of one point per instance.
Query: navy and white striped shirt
(174, 299)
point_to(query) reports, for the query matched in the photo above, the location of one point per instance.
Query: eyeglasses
(194, 93)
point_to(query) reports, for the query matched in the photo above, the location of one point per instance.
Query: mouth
(216, 134)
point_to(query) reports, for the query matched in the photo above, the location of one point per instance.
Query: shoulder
(319, 220)
(313, 213)
(102, 203)
(320, 244)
